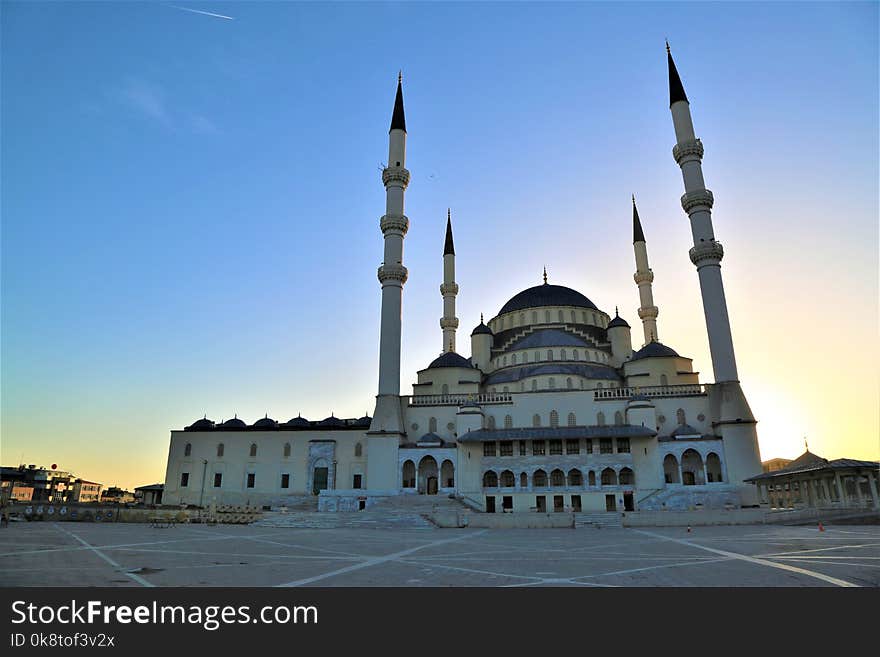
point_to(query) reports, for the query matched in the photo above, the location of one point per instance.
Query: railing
(687, 390)
(460, 400)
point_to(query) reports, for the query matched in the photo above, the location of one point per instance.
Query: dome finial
(481, 318)
(806, 446)
(616, 314)
(545, 275)
(668, 52)
(400, 71)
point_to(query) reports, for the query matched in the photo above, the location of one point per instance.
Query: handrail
(626, 392)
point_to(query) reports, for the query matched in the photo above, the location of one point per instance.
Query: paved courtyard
(80, 554)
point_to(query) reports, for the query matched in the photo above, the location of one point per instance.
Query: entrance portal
(319, 480)
(428, 475)
(628, 504)
(610, 503)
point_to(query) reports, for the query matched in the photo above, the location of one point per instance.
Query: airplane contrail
(206, 13)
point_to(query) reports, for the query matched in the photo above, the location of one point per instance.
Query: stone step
(608, 519)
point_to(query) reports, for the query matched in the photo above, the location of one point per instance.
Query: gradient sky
(190, 204)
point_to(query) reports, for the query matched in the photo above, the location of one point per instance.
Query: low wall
(694, 518)
(450, 519)
(42, 511)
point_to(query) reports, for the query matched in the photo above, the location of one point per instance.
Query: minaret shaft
(706, 253)
(644, 279)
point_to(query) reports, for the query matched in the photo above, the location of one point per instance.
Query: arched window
(575, 478)
(572, 420)
(591, 478)
(599, 385)
(680, 416)
(557, 478)
(507, 479)
(525, 356)
(537, 356)
(536, 420)
(286, 450)
(549, 354)
(534, 385)
(523, 480)
(253, 450)
(593, 318)
(447, 474)
(573, 320)
(534, 317)
(358, 450)
(600, 419)
(664, 380)
(627, 478)
(618, 418)
(670, 469)
(561, 317)
(505, 389)
(692, 468)
(188, 449)
(432, 425)
(508, 422)
(539, 479)
(551, 383)
(490, 420)
(490, 479)
(444, 390)
(522, 319)
(547, 316)
(220, 449)
(504, 360)
(569, 383)
(713, 468)
(562, 356)
(513, 359)
(522, 386)
(609, 477)
(409, 474)
(554, 419)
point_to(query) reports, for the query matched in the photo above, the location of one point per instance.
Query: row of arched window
(571, 420)
(522, 357)
(576, 317)
(221, 448)
(692, 471)
(550, 384)
(558, 478)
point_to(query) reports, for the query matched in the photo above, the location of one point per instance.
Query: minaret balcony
(706, 253)
(392, 273)
(394, 223)
(699, 199)
(688, 150)
(448, 288)
(397, 176)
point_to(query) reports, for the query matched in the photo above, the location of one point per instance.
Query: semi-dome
(655, 350)
(265, 423)
(450, 359)
(547, 295)
(234, 423)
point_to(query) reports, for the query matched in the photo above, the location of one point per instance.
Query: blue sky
(190, 204)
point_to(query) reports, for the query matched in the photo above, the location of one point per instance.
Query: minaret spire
(545, 275)
(644, 278)
(388, 418)
(449, 289)
(706, 253)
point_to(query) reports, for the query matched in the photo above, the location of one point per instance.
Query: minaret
(644, 277)
(392, 275)
(732, 417)
(448, 289)
(706, 253)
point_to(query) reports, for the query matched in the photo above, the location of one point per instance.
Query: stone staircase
(400, 511)
(599, 520)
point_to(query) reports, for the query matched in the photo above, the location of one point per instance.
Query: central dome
(547, 295)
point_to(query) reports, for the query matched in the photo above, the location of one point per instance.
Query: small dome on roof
(202, 424)
(685, 430)
(655, 350)
(450, 359)
(265, 423)
(298, 421)
(234, 423)
(481, 329)
(331, 422)
(430, 438)
(618, 321)
(364, 421)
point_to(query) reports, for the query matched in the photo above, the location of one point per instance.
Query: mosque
(553, 410)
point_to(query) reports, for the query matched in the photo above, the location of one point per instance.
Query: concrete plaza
(122, 554)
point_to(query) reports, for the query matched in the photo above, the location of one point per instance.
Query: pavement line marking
(657, 567)
(468, 570)
(835, 563)
(137, 578)
(377, 560)
(824, 549)
(244, 554)
(756, 560)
